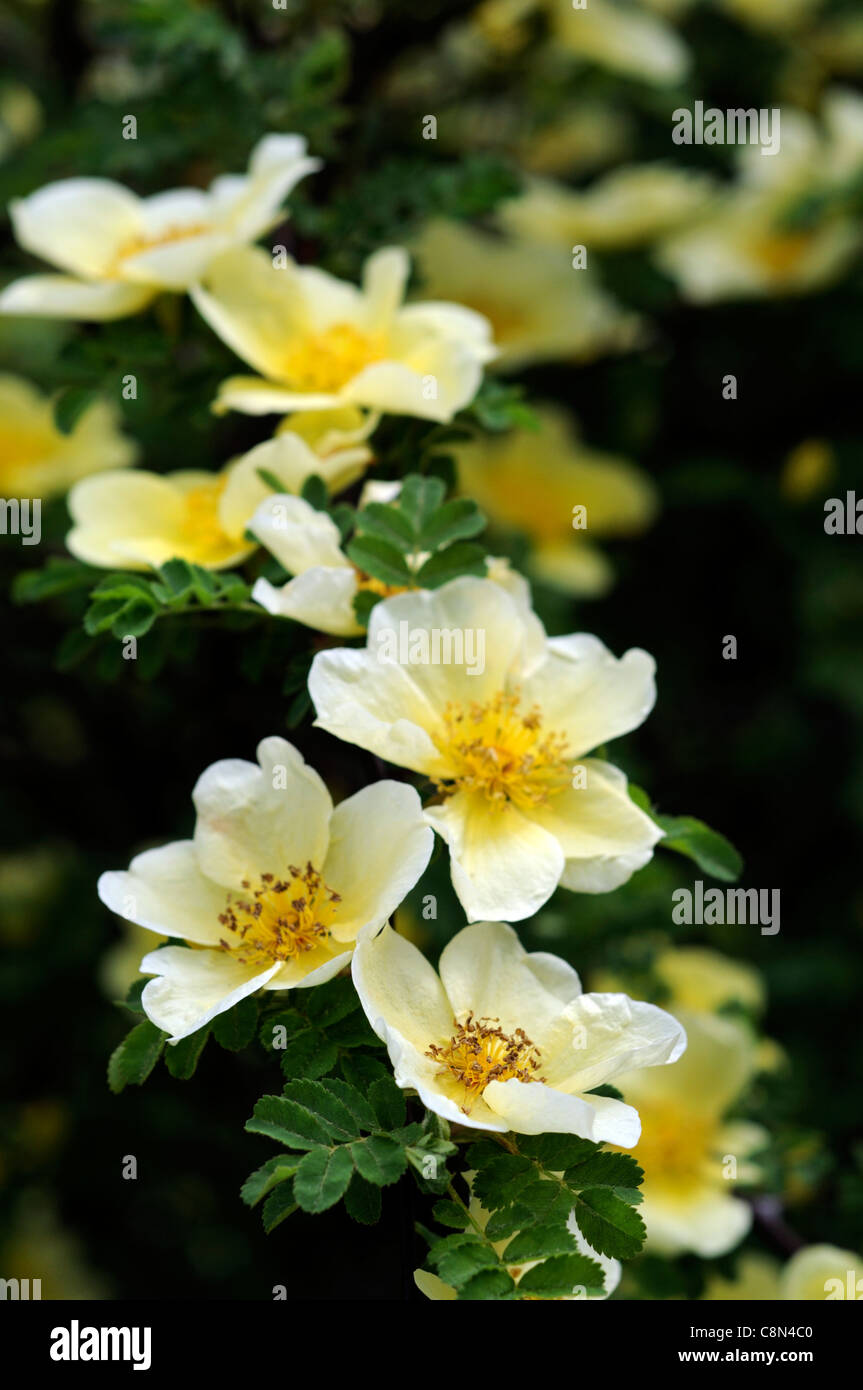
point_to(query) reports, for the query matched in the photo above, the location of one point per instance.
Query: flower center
(326, 361)
(21, 447)
(279, 918)
(501, 752)
(780, 252)
(673, 1150)
(202, 532)
(479, 1051)
(136, 244)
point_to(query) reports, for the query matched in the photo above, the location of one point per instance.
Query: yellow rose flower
(691, 1154)
(320, 343)
(504, 737)
(539, 307)
(139, 520)
(529, 481)
(273, 889)
(505, 1040)
(120, 250)
(36, 460)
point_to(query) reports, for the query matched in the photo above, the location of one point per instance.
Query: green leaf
(388, 1103)
(379, 1159)
(609, 1224)
(133, 996)
(353, 1100)
(327, 1107)
(363, 1071)
(459, 1258)
(363, 603)
(455, 520)
(279, 1205)
(420, 498)
(330, 1003)
(711, 851)
(538, 1243)
(464, 557)
(268, 1176)
(605, 1170)
(288, 1122)
(235, 1028)
(102, 615)
(449, 1213)
(59, 576)
(313, 491)
(379, 559)
(322, 1178)
(309, 1054)
(270, 480)
(387, 523)
(559, 1276)
(71, 405)
(363, 1201)
(182, 1059)
(556, 1151)
(489, 1284)
(134, 619)
(138, 1053)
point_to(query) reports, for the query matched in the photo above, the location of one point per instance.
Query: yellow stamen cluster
(377, 586)
(135, 245)
(280, 918)
(502, 753)
(326, 361)
(200, 524)
(479, 1052)
(674, 1149)
(780, 252)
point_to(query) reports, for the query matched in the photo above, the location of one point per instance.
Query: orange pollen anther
(479, 1052)
(280, 919)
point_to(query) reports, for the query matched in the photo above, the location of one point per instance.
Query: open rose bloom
(503, 1040)
(274, 887)
(119, 250)
(521, 806)
(318, 343)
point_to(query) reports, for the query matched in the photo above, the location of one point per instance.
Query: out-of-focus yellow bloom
(530, 481)
(618, 35)
(745, 245)
(20, 117)
(822, 1273)
(119, 250)
(691, 1154)
(322, 344)
(540, 308)
(808, 469)
(837, 43)
(139, 520)
(775, 16)
(626, 208)
(702, 981)
(584, 138)
(36, 460)
(40, 1248)
(815, 1274)
(756, 1278)
(119, 966)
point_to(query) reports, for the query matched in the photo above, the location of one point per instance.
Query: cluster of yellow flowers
(280, 889)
